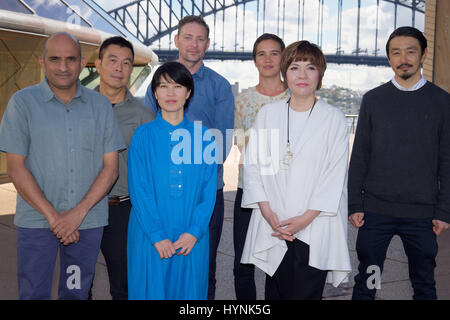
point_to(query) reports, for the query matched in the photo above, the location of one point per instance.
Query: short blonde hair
(304, 51)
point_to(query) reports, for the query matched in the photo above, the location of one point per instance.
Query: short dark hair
(267, 36)
(303, 51)
(118, 41)
(191, 19)
(178, 73)
(408, 32)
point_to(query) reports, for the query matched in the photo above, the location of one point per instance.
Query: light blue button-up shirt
(64, 146)
(213, 105)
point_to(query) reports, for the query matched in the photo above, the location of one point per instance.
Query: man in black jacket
(399, 175)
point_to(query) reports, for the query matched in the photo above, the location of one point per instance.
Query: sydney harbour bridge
(349, 31)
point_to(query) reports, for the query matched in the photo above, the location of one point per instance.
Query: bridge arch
(162, 16)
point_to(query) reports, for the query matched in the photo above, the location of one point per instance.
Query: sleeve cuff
(355, 208)
(442, 215)
(326, 208)
(195, 231)
(157, 236)
(251, 196)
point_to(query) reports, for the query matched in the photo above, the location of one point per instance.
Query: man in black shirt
(399, 175)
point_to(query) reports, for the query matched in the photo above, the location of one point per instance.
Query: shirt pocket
(87, 135)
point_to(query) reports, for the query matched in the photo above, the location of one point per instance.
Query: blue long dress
(168, 199)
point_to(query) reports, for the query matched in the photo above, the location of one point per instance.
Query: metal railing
(352, 120)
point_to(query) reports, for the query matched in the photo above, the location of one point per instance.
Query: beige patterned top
(246, 106)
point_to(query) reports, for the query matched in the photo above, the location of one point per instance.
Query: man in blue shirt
(213, 105)
(61, 142)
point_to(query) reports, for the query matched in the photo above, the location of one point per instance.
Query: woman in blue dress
(172, 177)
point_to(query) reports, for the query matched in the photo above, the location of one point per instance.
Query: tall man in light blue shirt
(61, 142)
(213, 104)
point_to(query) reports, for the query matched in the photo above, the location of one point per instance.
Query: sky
(354, 77)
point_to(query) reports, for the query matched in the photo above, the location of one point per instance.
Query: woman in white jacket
(295, 179)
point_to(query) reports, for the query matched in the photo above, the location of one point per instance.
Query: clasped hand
(65, 226)
(285, 230)
(184, 244)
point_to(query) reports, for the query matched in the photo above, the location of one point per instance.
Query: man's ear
(83, 62)
(424, 55)
(175, 40)
(98, 63)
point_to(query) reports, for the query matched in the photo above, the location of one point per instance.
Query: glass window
(90, 78)
(14, 5)
(56, 10)
(97, 21)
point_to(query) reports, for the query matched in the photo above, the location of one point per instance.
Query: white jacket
(315, 180)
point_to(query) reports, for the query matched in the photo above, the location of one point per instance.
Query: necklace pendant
(288, 151)
(286, 162)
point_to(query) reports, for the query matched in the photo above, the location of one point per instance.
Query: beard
(406, 75)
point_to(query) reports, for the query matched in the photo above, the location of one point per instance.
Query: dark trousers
(294, 278)
(36, 257)
(244, 274)
(114, 249)
(215, 231)
(419, 242)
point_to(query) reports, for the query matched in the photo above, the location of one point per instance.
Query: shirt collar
(415, 87)
(48, 93)
(200, 72)
(128, 95)
(167, 125)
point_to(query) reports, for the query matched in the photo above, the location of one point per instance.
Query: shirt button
(70, 129)
(179, 186)
(67, 110)
(179, 171)
(170, 132)
(71, 191)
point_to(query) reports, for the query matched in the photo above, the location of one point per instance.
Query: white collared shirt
(417, 86)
